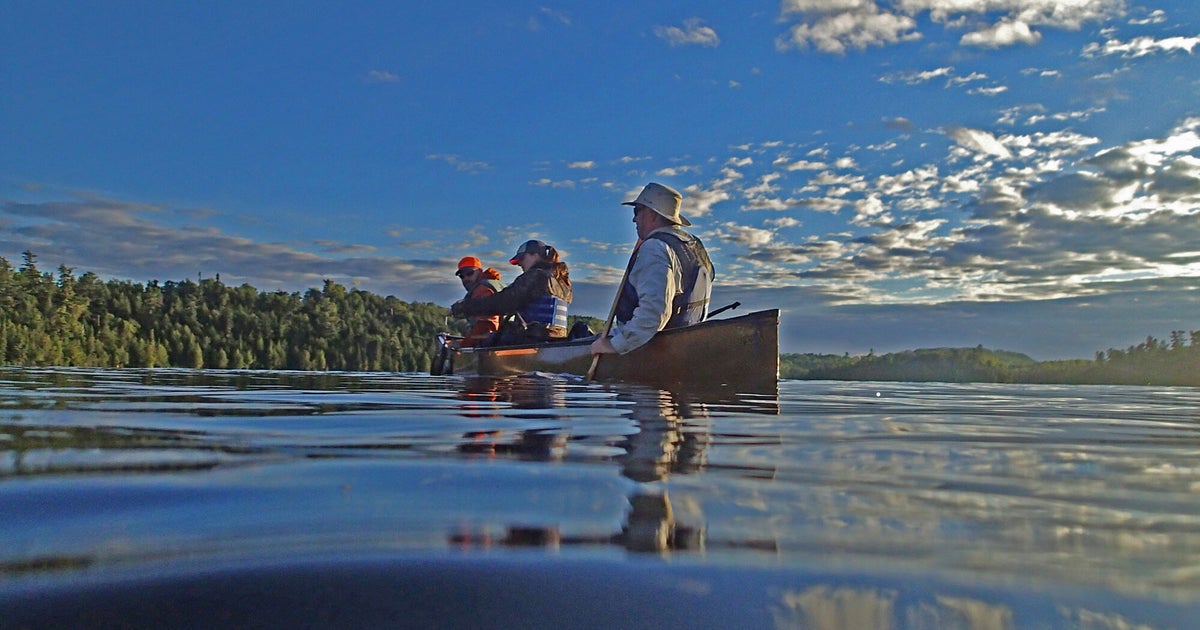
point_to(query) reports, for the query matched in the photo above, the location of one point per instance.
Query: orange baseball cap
(468, 262)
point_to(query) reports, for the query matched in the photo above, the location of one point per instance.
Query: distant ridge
(1152, 362)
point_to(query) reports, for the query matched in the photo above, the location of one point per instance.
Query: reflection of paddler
(666, 440)
(651, 527)
(526, 391)
(541, 446)
(531, 391)
(514, 536)
(522, 392)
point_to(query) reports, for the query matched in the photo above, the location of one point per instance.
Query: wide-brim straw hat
(663, 200)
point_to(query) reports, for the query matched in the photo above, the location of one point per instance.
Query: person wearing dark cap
(669, 278)
(479, 282)
(538, 298)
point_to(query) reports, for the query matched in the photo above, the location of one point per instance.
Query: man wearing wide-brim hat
(669, 278)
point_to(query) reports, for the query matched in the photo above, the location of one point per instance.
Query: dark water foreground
(215, 499)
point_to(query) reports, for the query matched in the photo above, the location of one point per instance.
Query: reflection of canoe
(736, 352)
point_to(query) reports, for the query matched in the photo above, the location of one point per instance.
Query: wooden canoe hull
(737, 352)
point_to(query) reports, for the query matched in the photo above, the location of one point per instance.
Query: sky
(892, 174)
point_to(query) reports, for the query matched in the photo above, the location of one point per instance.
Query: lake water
(173, 498)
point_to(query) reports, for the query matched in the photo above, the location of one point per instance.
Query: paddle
(723, 309)
(612, 312)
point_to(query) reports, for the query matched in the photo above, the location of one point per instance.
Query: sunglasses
(463, 273)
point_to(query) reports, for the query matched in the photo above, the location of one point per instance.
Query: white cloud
(1002, 34)
(860, 27)
(1063, 14)
(989, 91)
(974, 76)
(535, 21)
(693, 32)
(466, 166)
(829, 178)
(765, 186)
(784, 222)
(979, 141)
(745, 236)
(824, 6)
(382, 76)
(1182, 139)
(676, 171)
(585, 164)
(1158, 16)
(698, 201)
(833, 26)
(805, 165)
(546, 182)
(914, 78)
(1141, 47)
(869, 211)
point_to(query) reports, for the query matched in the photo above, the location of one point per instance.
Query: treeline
(1153, 362)
(62, 320)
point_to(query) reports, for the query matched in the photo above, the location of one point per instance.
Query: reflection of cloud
(829, 607)
(825, 607)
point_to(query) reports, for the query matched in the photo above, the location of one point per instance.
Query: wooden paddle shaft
(612, 312)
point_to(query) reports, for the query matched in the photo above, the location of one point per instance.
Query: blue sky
(893, 174)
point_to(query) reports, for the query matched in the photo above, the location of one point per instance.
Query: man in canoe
(669, 277)
(479, 282)
(538, 298)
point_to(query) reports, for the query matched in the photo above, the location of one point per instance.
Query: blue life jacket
(548, 310)
(690, 306)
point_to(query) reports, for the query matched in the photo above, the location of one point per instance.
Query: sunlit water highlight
(367, 499)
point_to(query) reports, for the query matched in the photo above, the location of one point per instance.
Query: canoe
(741, 353)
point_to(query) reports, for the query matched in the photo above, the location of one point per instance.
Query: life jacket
(482, 326)
(690, 305)
(491, 278)
(548, 310)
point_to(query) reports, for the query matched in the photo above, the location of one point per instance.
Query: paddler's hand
(456, 309)
(602, 346)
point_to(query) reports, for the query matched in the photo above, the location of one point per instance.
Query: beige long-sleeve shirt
(657, 276)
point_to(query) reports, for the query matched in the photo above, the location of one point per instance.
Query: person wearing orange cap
(479, 282)
(538, 298)
(669, 277)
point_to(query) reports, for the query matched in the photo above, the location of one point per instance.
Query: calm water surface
(171, 497)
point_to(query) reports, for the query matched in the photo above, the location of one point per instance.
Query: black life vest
(690, 305)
